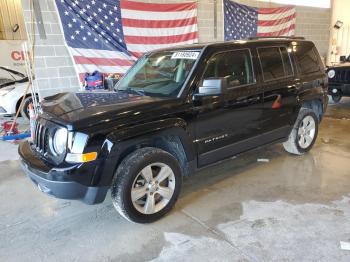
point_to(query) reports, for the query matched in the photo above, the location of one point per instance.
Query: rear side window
(307, 59)
(271, 63)
(236, 66)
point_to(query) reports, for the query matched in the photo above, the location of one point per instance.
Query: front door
(226, 123)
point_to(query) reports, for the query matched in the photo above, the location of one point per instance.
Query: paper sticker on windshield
(185, 55)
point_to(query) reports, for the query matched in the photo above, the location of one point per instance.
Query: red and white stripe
(149, 26)
(276, 21)
(108, 62)
(146, 26)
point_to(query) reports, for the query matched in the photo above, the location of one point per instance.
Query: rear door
(279, 85)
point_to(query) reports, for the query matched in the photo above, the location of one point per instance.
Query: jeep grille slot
(341, 76)
(40, 136)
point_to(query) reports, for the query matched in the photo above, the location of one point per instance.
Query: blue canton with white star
(92, 24)
(240, 21)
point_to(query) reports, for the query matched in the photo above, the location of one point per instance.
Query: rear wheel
(146, 185)
(336, 98)
(303, 134)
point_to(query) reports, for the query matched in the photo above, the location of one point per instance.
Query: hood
(86, 109)
(342, 66)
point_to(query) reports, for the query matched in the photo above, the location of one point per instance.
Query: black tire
(24, 110)
(292, 145)
(129, 170)
(336, 98)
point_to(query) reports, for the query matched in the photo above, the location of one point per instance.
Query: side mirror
(213, 87)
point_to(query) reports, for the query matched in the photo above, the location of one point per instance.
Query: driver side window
(235, 66)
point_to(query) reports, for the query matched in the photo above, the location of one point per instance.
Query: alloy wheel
(306, 132)
(153, 188)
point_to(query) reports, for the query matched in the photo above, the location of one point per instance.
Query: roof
(238, 42)
(340, 65)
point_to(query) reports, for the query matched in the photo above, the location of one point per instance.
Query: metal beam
(215, 19)
(39, 19)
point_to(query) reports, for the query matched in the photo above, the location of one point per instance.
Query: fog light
(81, 158)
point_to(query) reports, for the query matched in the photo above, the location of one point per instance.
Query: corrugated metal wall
(11, 13)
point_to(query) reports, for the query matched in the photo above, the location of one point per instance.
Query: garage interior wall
(11, 13)
(340, 38)
(55, 71)
(53, 68)
(312, 23)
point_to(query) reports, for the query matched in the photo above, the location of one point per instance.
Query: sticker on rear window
(185, 55)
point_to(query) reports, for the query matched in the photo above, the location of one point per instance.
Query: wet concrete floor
(290, 208)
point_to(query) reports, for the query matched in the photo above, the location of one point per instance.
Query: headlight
(59, 141)
(5, 90)
(331, 73)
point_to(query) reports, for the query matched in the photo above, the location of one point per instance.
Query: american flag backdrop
(109, 35)
(242, 21)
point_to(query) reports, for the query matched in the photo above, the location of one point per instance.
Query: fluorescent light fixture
(338, 24)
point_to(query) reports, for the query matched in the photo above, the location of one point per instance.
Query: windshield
(7, 77)
(159, 74)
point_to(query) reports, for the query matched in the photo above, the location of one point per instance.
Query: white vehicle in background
(12, 87)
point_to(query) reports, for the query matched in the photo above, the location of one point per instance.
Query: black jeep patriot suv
(176, 110)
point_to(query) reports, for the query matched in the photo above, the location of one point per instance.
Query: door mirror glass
(213, 87)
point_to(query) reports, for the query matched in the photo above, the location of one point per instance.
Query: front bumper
(340, 88)
(57, 182)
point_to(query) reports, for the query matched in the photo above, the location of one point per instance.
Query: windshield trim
(184, 85)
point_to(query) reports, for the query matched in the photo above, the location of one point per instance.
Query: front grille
(43, 132)
(41, 137)
(341, 76)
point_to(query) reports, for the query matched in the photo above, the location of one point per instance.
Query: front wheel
(303, 134)
(146, 185)
(336, 98)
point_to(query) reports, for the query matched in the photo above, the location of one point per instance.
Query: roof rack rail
(276, 37)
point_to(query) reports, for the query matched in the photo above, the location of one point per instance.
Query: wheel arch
(170, 135)
(315, 105)
(18, 103)
(314, 100)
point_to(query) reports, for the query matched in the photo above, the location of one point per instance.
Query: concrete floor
(288, 209)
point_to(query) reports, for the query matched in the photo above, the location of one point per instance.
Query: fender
(141, 134)
(311, 94)
(118, 135)
(120, 143)
(307, 96)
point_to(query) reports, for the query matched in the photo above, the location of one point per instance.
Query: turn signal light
(81, 158)
(89, 157)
